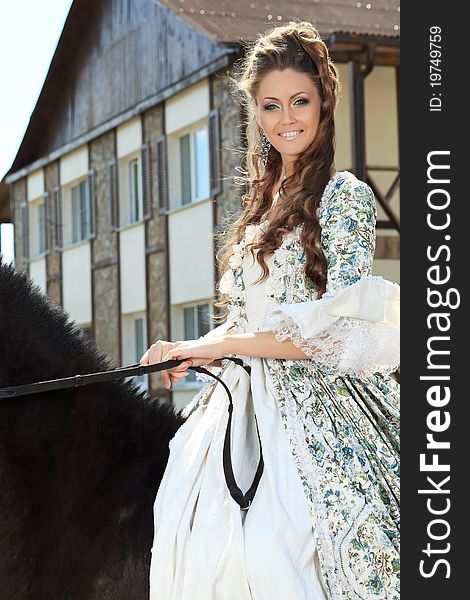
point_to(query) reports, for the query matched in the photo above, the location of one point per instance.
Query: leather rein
(243, 500)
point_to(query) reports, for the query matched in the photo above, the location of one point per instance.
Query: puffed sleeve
(354, 328)
(348, 234)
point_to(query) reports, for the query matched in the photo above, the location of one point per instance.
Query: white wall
(381, 116)
(132, 255)
(35, 185)
(129, 137)
(387, 268)
(191, 253)
(37, 272)
(73, 165)
(187, 107)
(76, 282)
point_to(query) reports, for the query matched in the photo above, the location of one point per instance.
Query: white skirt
(205, 546)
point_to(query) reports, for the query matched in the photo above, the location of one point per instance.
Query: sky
(29, 32)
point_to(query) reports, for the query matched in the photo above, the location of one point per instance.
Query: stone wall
(105, 255)
(156, 249)
(18, 196)
(228, 202)
(53, 258)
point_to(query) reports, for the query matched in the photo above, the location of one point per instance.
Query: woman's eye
(297, 102)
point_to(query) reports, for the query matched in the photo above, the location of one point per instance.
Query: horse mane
(79, 467)
(42, 331)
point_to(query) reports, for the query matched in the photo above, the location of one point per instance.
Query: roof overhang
(345, 47)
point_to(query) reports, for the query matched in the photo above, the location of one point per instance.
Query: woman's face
(288, 110)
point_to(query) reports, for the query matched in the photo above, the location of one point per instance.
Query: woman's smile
(291, 135)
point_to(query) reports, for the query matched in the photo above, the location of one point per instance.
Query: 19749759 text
(435, 71)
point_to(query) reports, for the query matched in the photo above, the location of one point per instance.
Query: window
(37, 227)
(134, 343)
(130, 195)
(42, 228)
(135, 191)
(194, 166)
(80, 218)
(197, 322)
(185, 163)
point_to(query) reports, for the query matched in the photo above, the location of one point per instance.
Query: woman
(320, 334)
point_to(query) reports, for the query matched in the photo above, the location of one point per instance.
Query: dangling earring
(265, 148)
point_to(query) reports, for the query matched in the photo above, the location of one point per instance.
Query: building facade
(126, 169)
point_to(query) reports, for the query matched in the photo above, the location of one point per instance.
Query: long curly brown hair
(296, 46)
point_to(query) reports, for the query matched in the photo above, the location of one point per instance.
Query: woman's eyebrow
(293, 96)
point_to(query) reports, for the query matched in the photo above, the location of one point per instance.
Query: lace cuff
(355, 332)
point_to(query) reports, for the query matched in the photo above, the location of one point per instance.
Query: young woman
(320, 334)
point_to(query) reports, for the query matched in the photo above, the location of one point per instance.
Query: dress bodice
(255, 299)
(347, 217)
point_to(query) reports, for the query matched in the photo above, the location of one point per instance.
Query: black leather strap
(86, 379)
(243, 500)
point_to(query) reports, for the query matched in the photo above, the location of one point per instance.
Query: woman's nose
(287, 116)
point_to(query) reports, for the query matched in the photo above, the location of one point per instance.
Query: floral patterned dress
(334, 418)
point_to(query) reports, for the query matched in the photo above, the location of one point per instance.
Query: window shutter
(59, 227)
(113, 194)
(24, 232)
(146, 181)
(47, 220)
(162, 170)
(215, 152)
(92, 203)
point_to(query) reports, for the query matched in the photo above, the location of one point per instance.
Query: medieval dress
(324, 523)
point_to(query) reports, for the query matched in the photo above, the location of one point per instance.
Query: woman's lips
(291, 135)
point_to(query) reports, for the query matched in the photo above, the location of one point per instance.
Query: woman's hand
(157, 353)
(199, 352)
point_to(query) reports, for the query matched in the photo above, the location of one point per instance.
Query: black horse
(79, 468)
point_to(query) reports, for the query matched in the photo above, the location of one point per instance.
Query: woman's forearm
(261, 344)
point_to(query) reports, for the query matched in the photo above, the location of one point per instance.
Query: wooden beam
(387, 246)
(357, 74)
(394, 218)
